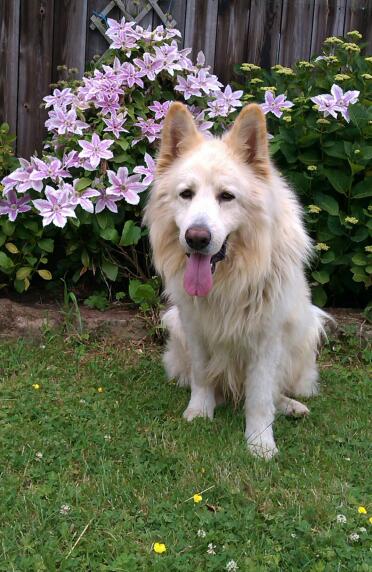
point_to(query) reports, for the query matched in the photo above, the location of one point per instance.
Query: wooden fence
(37, 36)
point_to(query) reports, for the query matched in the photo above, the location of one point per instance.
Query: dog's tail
(306, 380)
(176, 358)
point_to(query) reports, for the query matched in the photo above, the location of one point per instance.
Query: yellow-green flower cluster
(305, 64)
(333, 40)
(351, 47)
(313, 209)
(330, 60)
(366, 76)
(268, 88)
(287, 118)
(312, 168)
(341, 77)
(283, 70)
(368, 248)
(247, 96)
(249, 67)
(256, 80)
(355, 35)
(321, 246)
(323, 121)
(368, 59)
(351, 220)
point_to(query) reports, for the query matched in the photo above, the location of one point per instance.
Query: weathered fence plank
(201, 27)
(358, 16)
(69, 37)
(9, 39)
(328, 20)
(296, 29)
(35, 72)
(264, 32)
(232, 23)
(96, 43)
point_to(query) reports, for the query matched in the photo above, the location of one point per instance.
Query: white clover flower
(39, 455)
(65, 509)
(107, 437)
(231, 566)
(354, 537)
(211, 548)
(362, 529)
(201, 533)
(341, 519)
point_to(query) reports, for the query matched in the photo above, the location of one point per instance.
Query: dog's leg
(291, 407)
(260, 400)
(202, 401)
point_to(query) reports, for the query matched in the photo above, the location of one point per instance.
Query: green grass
(125, 463)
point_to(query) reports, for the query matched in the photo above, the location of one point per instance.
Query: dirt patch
(31, 319)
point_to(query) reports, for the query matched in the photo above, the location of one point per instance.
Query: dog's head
(208, 189)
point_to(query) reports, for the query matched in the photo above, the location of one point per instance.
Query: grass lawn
(96, 465)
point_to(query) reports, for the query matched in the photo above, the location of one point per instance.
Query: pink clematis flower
(51, 170)
(160, 109)
(187, 87)
(149, 66)
(96, 150)
(81, 198)
(114, 124)
(107, 201)
(60, 98)
(343, 100)
(125, 186)
(326, 103)
(23, 177)
(205, 81)
(14, 205)
(275, 105)
(56, 208)
(148, 171)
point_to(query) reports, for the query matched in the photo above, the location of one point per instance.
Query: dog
(228, 240)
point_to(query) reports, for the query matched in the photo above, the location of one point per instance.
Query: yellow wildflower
(313, 209)
(321, 246)
(341, 77)
(356, 151)
(351, 219)
(366, 76)
(197, 498)
(369, 59)
(247, 96)
(287, 118)
(285, 71)
(333, 40)
(362, 510)
(249, 67)
(323, 121)
(256, 80)
(36, 386)
(368, 248)
(100, 389)
(159, 548)
(355, 34)
(330, 60)
(370, 520)
(351, 47)
(312, 168)
(305, 64)
(268, 88)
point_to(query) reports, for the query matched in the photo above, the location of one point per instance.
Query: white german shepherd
(229, 242)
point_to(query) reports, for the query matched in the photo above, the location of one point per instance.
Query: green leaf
(8, 227)
(45, 274)
(2, 238)
(131, 234)
(110, 234)
(102, 219)
(6, 263)
(363, 189)
(110, 270)
(335, 226)
(321, 276)
(123, 143)
(359, 259)
(336, 150)
(46, 244)
(327, 203)
(85, 260)
(328, 257)
(142, 293)
(358, 115)
(319, 296)
(339, 180)
(360, 234)
(23, 272)
(19, 285)
(83, 183)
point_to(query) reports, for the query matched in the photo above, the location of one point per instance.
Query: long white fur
(256, 333)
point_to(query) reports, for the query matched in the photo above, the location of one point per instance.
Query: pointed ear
(248, 139)
(179, 134)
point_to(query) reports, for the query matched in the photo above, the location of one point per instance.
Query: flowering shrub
(76, 210)
(320, 119)
(7, 159)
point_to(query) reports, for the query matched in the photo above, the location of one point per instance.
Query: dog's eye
(225, 196)
(187, 194)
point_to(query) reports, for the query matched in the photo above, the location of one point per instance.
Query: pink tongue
(197, 280)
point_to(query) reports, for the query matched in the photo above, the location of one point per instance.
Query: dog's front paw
(192, 412)
(262, 445)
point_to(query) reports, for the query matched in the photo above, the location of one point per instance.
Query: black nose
(198, 237)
